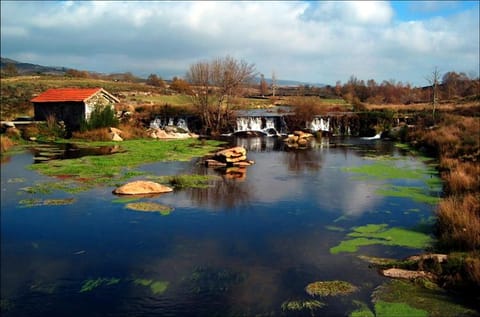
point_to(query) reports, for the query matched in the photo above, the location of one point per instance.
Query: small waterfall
(182, 124)
(319, 124)
(161, 123)
(268, 125)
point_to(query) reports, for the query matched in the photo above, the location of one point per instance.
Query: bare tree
(263, 86)
(274, 83)
(434, 80)
(216, 82)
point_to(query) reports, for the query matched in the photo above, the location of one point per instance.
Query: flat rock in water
(237, 151)
(141, 188)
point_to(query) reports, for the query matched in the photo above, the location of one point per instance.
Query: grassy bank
(89, 171)
(453, 137)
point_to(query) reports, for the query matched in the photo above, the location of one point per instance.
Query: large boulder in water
(142, 188)
(231, 155)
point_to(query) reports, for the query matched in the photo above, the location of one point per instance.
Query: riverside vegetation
(451, 136)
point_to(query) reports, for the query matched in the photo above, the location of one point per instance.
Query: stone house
(71, 105)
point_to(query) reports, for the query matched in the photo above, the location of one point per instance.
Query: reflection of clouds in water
(301, 177)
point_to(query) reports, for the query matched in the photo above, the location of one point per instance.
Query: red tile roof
(66, 94)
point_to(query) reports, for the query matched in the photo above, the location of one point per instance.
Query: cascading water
(319, 124)
(159, 123)
(262, 124)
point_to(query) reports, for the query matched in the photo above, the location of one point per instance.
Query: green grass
(174, 100)
(113, 169)
(405, 298)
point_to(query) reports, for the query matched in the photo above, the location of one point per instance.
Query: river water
(241, 247)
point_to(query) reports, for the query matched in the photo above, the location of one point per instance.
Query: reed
(463, 177)
(459, 222)
(101, 134)
(5, 143)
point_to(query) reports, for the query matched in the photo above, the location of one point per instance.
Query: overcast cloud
(318, 42)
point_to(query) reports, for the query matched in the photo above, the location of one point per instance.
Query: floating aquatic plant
(46, 202)
(212, 280)
(388, 309)
(157, 287)
(416, 193)
(186, 180)
(330, 288)
(302, 304)
(379, 234)
(362, 311)
(89, 285)
(405, 298)
(16, 180)
(150, 207)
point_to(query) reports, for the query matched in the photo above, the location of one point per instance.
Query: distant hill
(31, 69)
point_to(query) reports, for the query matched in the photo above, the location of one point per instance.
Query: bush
(101, 134)
(5, 143)
(101, 117)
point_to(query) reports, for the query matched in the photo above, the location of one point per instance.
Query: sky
(309, 41)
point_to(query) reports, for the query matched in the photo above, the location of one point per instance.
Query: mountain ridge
(33, 69)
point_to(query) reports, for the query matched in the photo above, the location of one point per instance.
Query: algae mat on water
(90, 171)
(428, 188)
(380, 234)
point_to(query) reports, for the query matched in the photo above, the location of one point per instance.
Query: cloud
(309, 41)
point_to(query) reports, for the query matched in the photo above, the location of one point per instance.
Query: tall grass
(459, 222)
(455, 140)
(5, 143)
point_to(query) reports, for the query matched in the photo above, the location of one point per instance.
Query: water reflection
(264, 242)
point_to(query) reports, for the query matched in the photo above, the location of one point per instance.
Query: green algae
(361, 311)
(330, 288)
(302, 304)
(123, 200)
(91, 171)
(156, 287)
(379, 234)
(388, 309)
(150, 207)
(212, 280)
(46, 202)
(381, 170)
(185, 180)
(16, 180)
(91, 284)
(335, 228)
(159, 287)
(415, 193)
(413, 299)
(385, 170)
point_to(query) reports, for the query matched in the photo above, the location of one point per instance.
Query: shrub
(101, 117)
(101, 134)
(5, 143)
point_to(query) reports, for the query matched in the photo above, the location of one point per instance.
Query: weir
(272, 124)
(161, 123)
(266, 125)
